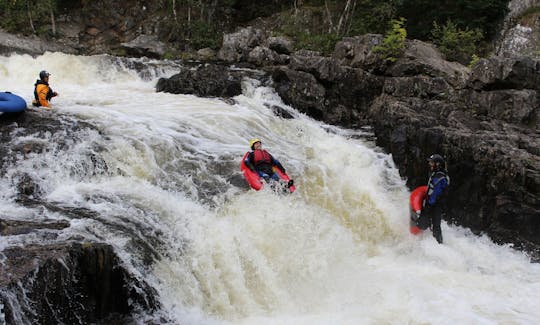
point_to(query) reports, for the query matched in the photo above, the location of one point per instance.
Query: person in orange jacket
(42, 92)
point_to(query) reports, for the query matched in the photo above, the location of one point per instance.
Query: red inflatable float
(416, 201)
(255, 181)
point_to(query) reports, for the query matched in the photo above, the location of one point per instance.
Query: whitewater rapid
(337, 251)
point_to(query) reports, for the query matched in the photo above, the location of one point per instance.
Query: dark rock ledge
(67, 283)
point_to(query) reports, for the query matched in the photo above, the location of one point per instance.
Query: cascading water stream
(157, 177)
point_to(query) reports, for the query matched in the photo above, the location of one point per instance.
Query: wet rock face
(14, 227)
(325, 90)
(212, 81)
(67, 283)
(206, 81)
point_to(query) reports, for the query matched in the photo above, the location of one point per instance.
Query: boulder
(421, 58)
(32, 45)
(69, 283)
(262, 56)
(505, 73)
(280, 45)
(236, 46)
(209, 80)
(144, 45)
(357, 52)
(301, 90)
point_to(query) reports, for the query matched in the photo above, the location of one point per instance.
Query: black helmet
(43, 74)
(436, 158)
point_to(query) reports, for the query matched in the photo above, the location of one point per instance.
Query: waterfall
(157, 176)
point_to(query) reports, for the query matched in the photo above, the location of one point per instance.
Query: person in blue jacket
(435, 202)
(262, 162)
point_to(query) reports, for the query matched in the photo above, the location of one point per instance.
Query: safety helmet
(436, 158)
(253, 141)
(43, 74)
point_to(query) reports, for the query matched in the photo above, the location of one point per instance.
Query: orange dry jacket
(42, 91)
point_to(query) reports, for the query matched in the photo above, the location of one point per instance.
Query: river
(337, 251)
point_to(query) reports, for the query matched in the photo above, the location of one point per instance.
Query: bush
(324, 43)
(474, 60)
(457, 44)
(372, 16)
(394, 41)
(203, 35)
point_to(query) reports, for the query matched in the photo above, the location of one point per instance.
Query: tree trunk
(30, 20)
(350, 18)
(53, 22)
(211, 11)
(297, 4)
(201, 13)
(174, 11)
(345, 15)
(330, 22)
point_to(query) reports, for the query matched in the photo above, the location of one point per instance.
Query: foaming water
(157, 179)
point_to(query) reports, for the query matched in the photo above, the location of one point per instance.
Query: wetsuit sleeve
(277, 163)
(248, 161)
(440, 185)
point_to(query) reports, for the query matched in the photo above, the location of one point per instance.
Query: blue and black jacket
(437, 187)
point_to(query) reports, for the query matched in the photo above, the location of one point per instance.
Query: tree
(28, 15)
(485, 15)
(457, 44)
(346, 17)
(394, 41)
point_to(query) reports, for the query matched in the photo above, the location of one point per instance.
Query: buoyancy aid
(261, 156)
(42, 94)
(261, 161)
(436, 190)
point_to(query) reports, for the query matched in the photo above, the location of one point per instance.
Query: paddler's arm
(248, 160)
(277, 163)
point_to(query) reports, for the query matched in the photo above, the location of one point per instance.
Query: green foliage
(532, 11)
(474, 60)
(311, 24)
(394, 41)
(372, 16)
(324, 43)
(204, 35)
(306, 36)
(26, 16)
(457, 44)
(485, 15)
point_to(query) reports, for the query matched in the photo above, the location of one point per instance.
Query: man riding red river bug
(260, 164)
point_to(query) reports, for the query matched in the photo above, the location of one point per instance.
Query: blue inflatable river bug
(11, 103)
